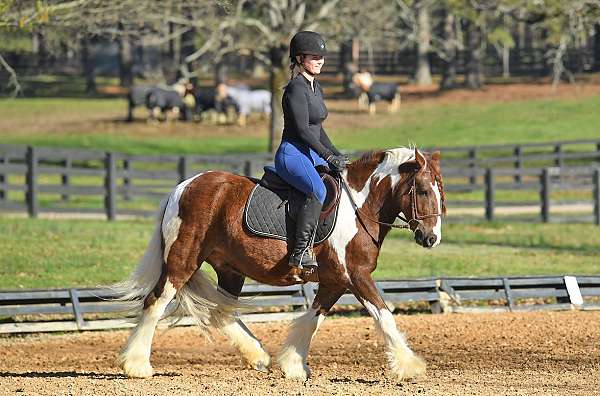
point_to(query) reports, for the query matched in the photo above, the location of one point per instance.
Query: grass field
(77, 253)
(500, 114)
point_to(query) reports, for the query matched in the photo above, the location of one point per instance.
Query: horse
(201, 221)
(159, 99)
(373, 92)
(248, 101)
(207, 106)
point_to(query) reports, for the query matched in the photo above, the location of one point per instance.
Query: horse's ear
(420, 158)
(436, 156)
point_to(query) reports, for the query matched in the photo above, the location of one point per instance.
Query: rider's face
(313, 63)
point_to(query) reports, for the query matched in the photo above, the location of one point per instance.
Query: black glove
(337, 162)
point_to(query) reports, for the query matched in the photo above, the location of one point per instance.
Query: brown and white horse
(202, 222)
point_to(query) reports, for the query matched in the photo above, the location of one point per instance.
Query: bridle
(415, 216)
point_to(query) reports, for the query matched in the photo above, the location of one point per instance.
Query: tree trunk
(450, 50)
(279, 75)
(40, 49)
(348, 64)
(88, 65)
(505, 62)
(188, 44)
(473, 69)
(506, 50)
(220, 72)
(597, 47)
(125, 58)
(423, 74)
(172, 53)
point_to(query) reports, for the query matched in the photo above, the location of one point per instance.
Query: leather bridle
(416, 217)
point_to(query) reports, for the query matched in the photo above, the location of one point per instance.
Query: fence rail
(38, 180)
(92, 309)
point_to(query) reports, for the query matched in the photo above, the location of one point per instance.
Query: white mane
(393, 159)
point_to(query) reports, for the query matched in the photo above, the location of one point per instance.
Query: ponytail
(294, 67)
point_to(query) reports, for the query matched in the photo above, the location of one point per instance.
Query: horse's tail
(199, 297)
(141, 282)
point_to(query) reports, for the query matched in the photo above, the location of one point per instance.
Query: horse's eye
(422, 192)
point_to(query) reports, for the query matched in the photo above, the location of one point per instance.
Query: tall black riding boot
(306, 227)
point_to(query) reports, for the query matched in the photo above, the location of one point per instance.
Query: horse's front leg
(294, 352)
(402, 360)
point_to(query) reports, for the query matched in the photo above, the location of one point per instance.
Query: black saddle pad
(270, 214)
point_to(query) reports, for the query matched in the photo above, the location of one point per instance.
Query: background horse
(247, 100)
(202, 222)
(373, 92)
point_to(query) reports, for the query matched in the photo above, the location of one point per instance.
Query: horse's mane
(369, 157)
(437, 176)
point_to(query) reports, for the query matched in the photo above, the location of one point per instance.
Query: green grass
(77, 253)
(424, 124)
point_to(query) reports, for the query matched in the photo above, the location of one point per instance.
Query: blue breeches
(295, 163)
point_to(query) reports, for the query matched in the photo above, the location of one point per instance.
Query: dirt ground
(467, 354)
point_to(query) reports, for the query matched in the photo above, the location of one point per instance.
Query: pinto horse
(202, 222)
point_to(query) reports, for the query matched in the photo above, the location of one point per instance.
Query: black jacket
(303, 113)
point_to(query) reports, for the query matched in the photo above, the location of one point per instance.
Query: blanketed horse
(373, 92)
(202, 222)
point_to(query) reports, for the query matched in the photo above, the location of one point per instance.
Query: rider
(304, 144)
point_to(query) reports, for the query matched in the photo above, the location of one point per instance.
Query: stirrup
(307, 260)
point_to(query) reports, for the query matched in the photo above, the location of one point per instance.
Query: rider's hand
(337, 162)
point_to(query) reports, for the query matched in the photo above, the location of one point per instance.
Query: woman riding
(304, 144)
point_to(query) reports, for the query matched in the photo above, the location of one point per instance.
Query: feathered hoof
(293, 367)
(261, 363)
(137, 368)
(407, 366)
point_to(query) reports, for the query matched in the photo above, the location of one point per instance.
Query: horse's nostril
(431, 240)
(418, 235)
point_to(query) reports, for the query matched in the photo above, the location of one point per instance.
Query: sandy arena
(467, 354)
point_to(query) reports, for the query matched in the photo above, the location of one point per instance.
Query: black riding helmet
(307, 42)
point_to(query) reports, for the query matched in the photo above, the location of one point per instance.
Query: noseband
(415, 216)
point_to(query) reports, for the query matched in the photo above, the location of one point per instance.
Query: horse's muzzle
(424, 239)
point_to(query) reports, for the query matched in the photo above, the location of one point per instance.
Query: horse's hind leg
(234, 329)
(135, 356)
(294, 352)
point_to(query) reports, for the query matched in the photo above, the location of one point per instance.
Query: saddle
(273, 205)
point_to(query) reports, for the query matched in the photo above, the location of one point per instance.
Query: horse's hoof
(408, 366)
(139, 370)
(260, 366)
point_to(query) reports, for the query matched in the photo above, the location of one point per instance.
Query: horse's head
(401, 182)
(421, 196)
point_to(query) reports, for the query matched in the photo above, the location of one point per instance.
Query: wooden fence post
(248, 168)
(110, 185)
(472, 158)
(126, 179)
(518, 152)
(66, 177)
(31, 178)
(558, 156)
(3, 178)
(596, 196)
(489, 194)
(182, 168)
(545, 195)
